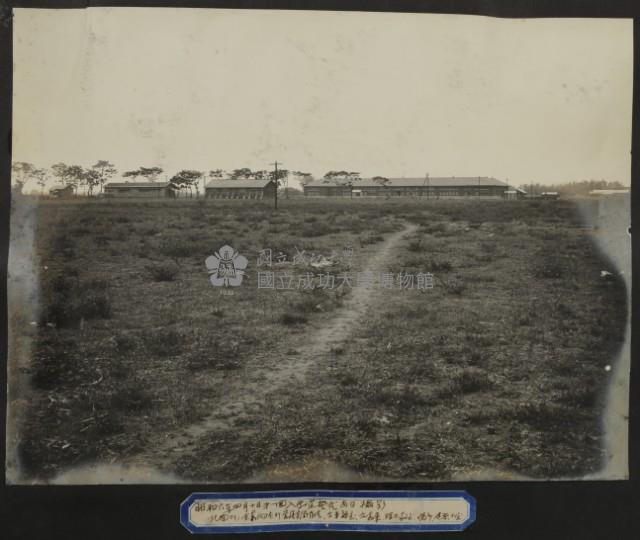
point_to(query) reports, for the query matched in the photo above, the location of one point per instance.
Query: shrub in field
(125, 343)
(64, 245)
(526, 318)
(199, 360)
(108, 424)
(480, 277)
(411, 264)
(163, 271)
(483, 257)
(440, 266)
(316, 229)
(102, 240)
(278, 219)
(455, 285)
(292, 318)
(87, 219)
(565, 311)
(210, 350)
(95, 302)
(59, 310)
(121, 234)
(549, 235)
(543, 415)
(565, 367)
(489, 248)
(388, 226)
(347, 379)
(403, 396)
(96, 284)
(470, 380)
(422, 367)
(550, 267)
(312, 301)
(434, 228)
(370, 239)
(480, 340)
(53, 364)
(581, 398)
(61, 242)
(177, 249)
(131, 397)
(352, 223)
(479, 418)
(68, 300)
(165, 342)
(415, 244)
(362, 423)
(80, 231)
(148, 230)
(476, 358)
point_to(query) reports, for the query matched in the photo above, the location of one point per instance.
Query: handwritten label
(265, 511)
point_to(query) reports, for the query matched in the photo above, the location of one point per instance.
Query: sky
(523, 100)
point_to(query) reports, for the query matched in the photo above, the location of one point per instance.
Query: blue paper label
(327, 510)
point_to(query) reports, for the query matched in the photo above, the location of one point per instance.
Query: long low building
(450, 187)
(240, 189)
(147, 190)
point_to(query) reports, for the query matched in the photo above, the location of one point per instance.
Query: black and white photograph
(268, 246)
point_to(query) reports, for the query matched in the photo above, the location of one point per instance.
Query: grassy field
(501, 366)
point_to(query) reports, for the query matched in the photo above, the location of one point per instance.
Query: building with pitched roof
(240, 189)
(147, 190)
(436, 188)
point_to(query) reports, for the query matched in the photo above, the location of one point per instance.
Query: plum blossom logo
(226, 267)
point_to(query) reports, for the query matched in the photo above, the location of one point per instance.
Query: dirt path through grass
(278, 370)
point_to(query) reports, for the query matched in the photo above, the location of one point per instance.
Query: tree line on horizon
(91, 180)
(582, 187)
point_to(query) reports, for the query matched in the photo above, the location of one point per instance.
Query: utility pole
(275, 200)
